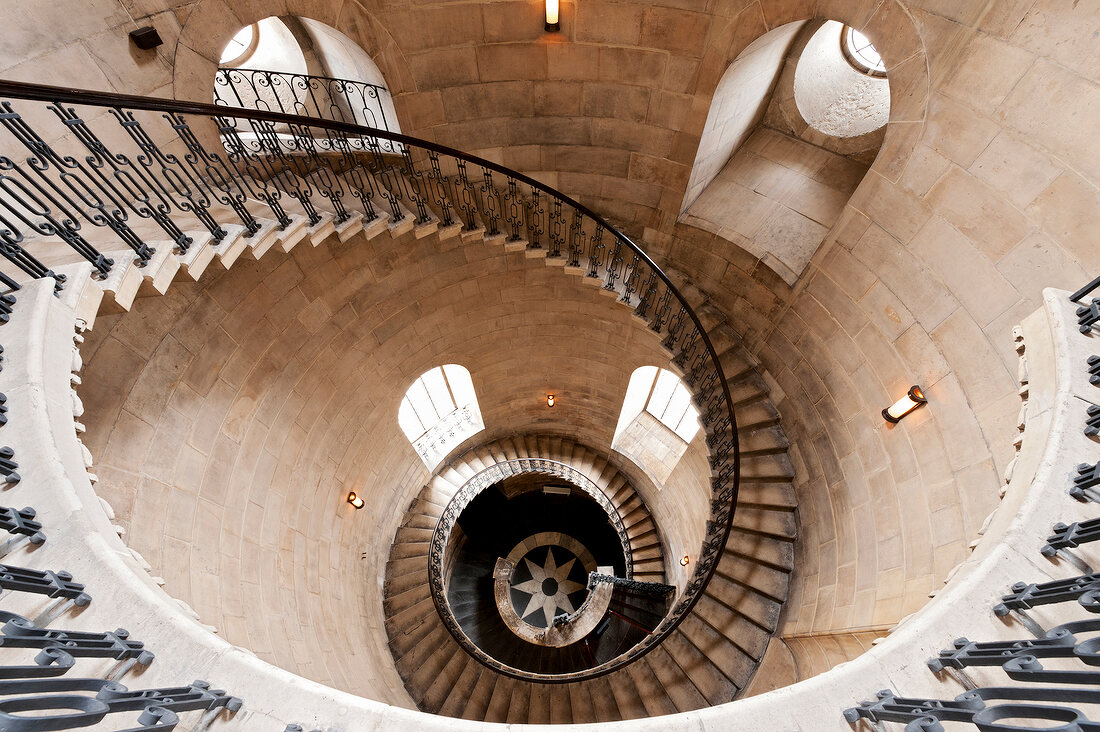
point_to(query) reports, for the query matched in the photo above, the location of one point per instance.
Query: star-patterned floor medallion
(547, 581)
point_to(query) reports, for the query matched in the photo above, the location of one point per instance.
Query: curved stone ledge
(37, 380)
(580, 623)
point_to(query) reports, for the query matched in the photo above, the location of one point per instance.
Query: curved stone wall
(982, 194)
(228, 419)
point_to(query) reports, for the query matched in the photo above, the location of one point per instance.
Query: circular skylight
(241, 46)
(861, 53)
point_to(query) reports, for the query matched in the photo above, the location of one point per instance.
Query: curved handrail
(654, 288)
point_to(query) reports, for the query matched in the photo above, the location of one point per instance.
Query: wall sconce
(553, 21)
(355, 500)
(549, 400)
(905, 405)
(684, 560)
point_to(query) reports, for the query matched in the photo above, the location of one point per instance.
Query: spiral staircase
(703, 653)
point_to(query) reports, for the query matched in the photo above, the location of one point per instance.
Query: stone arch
(768, 238)
(888, 25)
(212, 23)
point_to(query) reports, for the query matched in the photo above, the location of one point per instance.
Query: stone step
(763, 579)
(654, 697)
(462, 689)
(774, 467)
(395, 602)
(603, 700)
(477, 703)
(519, 703)
(410, 549)
(538, 705)
(581, 709)
(627, 699)
(735, 664)
(737, 631)
(747, 601)
(762, 548)
(704, 674)
(779, 523)
(561, 708)
(673, 681)
(434, 683)
(412, 534)
(411, 650)
(500, 701)
(410, 617)
(767, 495)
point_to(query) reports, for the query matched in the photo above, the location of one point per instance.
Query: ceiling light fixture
(549, 400)
(913, 399)
(684, 560)
(355, 500)
(553, 21)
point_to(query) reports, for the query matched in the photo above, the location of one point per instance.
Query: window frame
(854, 57)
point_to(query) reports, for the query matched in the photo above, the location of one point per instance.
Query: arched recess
(779, 214)
(769, 177)
(211, 25)
(302, 66)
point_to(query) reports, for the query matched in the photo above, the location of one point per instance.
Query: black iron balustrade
(1075, 297)
(985, 706)
(182, 166)
(648, 588)
(1071, 536)
(1092, 421)
(1088, 315)
(42, 695)
(43, 582)
(21, 524)
(1084, 483)
(305, 95)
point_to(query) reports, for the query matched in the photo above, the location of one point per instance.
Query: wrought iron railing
(154, 170)
(306, 95)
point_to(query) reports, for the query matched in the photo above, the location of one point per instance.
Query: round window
(860, 52)
(241, 46)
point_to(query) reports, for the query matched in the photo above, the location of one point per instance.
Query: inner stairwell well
(716, 634)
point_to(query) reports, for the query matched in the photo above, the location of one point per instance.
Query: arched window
(439, 411)
(657, 421)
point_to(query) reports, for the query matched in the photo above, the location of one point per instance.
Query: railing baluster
(438, 184)
(247, 161)
(491, 203)
(235, 191)
(556, 223)
(576, 239)
(188, 194)
(595, 253)
(534, 220)
(515, 210)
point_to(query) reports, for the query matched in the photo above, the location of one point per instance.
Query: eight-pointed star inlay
(549, 587)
